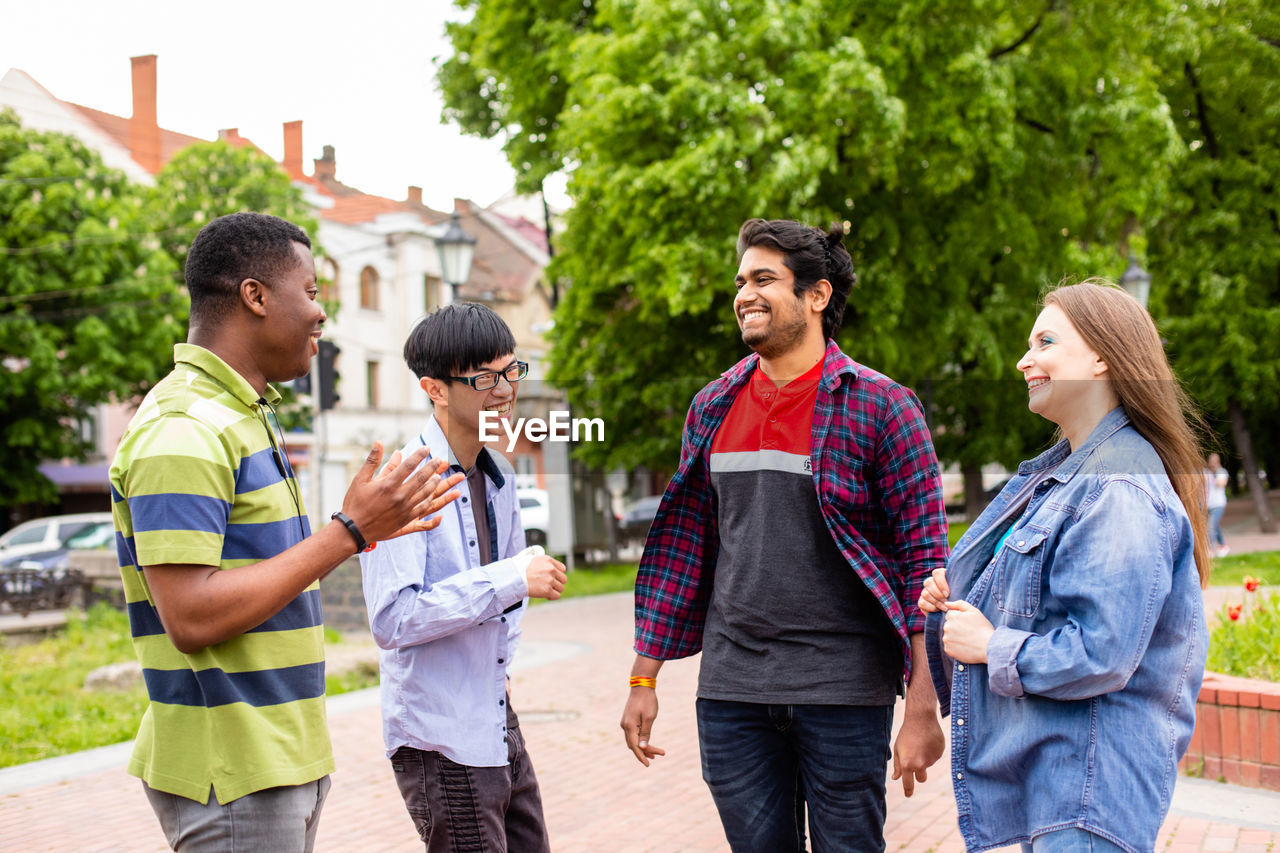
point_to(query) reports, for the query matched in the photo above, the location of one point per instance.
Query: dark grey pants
(461, 809)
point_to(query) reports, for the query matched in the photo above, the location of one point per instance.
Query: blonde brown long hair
(1122, 333)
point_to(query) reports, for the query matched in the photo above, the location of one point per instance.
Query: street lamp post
(457, 249)
(1136, 282)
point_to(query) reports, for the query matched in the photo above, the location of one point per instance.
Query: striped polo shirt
(790, 621)
(200, 479)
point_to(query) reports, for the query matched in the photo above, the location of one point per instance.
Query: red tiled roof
(171, 142)
(531, 231)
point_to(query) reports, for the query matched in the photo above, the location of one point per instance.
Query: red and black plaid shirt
(877, 480)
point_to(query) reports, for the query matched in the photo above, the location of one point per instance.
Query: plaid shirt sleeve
(911, 497)
(673, 584)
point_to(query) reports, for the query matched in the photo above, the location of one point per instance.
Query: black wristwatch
(352, 529)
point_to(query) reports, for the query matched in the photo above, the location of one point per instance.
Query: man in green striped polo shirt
(221, 571)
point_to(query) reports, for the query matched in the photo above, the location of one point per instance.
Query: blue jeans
(1070, 841)
(764, 763)
(277, 819)
(1215, 525)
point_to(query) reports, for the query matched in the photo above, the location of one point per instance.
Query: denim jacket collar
(1068, 462)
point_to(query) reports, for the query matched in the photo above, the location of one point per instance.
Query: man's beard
(775, 339)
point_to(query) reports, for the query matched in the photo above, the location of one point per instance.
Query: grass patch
(1232, 570)
(47, 712)
(597, 580)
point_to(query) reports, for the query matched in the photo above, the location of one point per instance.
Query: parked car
(48, 534)
(100, 534)
(636, 518)
(535, 515)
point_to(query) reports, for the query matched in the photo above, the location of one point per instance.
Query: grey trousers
(282, 820)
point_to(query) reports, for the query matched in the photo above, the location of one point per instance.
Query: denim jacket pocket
(1017, 581)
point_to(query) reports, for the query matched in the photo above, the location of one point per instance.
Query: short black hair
(235, 247)
(811, 254)
(456, 338)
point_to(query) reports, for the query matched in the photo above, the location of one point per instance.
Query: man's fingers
(392, 464)
(366, 472)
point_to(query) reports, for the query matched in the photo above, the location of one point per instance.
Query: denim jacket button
(960, 667)
(1022, 543)
(959, 775)
(960, 721)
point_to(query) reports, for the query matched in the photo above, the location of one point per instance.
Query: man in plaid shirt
(790, 548)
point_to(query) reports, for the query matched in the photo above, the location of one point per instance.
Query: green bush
(1246, 639)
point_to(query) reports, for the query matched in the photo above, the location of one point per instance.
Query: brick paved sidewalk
(598, 798)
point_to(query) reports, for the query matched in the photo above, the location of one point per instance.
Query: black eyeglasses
(514, 372)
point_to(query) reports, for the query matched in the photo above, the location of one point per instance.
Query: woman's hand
(965, 632)
(936, 591)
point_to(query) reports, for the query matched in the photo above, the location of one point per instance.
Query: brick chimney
(326, 166)
(144, 130)
(230, 135)
(415, 195)
(293, 150)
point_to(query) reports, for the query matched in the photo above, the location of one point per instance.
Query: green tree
(1215, 247)
(89, 300)
(977, 152)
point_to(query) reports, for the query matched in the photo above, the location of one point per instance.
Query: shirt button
(960, 721)
(464, 500)
(502, 702)
(501, 660)
(473, 542)
(504, 619)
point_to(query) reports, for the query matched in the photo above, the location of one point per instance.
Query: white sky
(359, 74)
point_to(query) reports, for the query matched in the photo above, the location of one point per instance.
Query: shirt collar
(1069, 461)
(219, 371)
(433, 436)
(834, 364)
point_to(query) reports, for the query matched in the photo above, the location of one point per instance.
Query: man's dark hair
(811, 254)
(235, 247)
(456, 338)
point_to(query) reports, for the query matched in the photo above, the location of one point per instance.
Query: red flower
(1233, 611)
(1251, 583)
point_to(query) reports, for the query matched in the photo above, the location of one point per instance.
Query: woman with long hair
(1067, 634)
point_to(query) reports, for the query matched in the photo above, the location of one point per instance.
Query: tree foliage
(89, 300)
(91, 296)
(978, 152)
(1215, 247)
(210, 179)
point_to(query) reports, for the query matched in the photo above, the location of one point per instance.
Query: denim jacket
(1087, 701)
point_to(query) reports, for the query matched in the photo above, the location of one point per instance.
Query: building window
(369, 288)
(431, 293)
(328, 282)
(371, 383)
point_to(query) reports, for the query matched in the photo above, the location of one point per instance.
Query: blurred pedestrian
(1215, 486)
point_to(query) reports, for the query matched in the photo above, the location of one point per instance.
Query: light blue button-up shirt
(445, 623)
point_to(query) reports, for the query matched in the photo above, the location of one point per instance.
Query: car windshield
(98, 535)
(31, 536)
(525, 503)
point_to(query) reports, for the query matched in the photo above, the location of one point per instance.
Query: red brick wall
(1237, 736)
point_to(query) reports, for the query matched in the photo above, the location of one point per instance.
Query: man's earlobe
(253, 294)
(435, 390)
